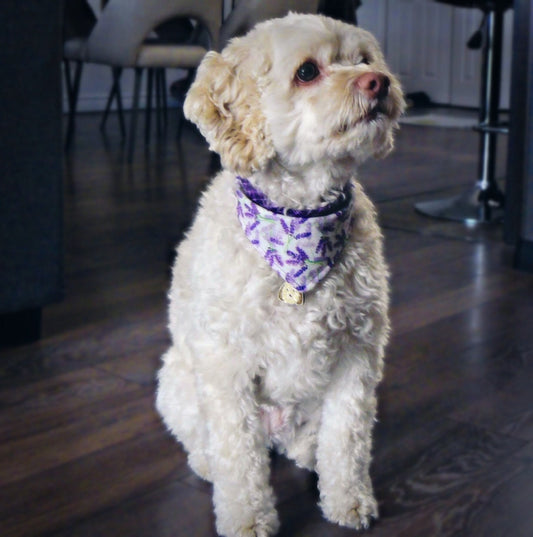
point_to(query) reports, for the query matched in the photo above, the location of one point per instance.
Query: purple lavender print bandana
(300, 245)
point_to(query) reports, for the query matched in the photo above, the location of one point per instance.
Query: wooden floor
(82, 452)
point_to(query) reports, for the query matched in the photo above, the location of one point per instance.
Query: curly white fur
(245, 371)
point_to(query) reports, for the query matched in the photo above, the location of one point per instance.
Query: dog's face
(301, 89)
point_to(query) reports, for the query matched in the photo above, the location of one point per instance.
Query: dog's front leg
(344, 447)
(239, 460)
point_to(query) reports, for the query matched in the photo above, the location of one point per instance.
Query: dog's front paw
(356, 513)
(256, 531)
(264, 524)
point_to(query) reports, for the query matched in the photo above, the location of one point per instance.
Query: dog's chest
(294, 347)
(294, 353)
(292, 379)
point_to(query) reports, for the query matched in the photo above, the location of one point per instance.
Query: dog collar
(301, 245)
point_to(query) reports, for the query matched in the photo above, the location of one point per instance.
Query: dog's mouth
(373, 114)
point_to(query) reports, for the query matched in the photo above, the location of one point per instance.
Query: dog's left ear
(224, 102)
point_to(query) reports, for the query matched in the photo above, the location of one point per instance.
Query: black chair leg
(73, 89)
(134, 112)
(148, 111)
(179, 95)
(161, 101)
(68, 80)
(158, 102)
(110, 97)
(163, 88)
(120, 108)
(114, 94)
(179, 122)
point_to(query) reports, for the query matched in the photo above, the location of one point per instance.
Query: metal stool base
(466, 207)
(484, 201)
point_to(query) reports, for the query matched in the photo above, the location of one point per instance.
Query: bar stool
(484, 201)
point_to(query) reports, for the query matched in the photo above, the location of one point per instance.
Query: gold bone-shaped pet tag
(290, 295)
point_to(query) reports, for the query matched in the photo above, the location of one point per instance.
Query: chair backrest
(78, 19)
(247, 13)
(344, 10)
(124, 25)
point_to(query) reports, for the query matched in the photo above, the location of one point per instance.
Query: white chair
(120, 39)
(247, 13)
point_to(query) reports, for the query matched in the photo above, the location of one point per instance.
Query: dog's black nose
(373, 85)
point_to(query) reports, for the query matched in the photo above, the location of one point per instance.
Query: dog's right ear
(224, 102)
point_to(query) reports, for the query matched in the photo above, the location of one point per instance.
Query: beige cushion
(184, 56)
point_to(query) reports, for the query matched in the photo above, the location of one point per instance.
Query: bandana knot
(301, 245)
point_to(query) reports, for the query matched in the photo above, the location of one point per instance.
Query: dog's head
(300, 89)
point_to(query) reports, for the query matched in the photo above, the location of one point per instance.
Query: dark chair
(484, 202)
(31, 182)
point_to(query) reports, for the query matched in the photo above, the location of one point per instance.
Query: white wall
(425, 44)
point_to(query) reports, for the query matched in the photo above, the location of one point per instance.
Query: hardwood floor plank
(427, 162)
(76, 434)
(139, 367)
(440, 385)
(502, 322)
(401, 215)
(429, 296)
(446, 491)
(509, 410)
(95, 341)
(506, 493)
(175, 509)
(440, 491)
(78, 489)
(40, 406)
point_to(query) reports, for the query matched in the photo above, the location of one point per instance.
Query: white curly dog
(278, 305)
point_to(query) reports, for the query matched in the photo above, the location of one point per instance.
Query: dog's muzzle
(375, 86)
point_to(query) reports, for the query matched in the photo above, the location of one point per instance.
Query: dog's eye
(364, 60)
(307, 72)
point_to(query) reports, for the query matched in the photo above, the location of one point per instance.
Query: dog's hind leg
(302, 447)
(177, 402)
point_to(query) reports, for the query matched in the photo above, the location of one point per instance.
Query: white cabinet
(419, 41)
(466, 71)
(465, 77)
(425, 45)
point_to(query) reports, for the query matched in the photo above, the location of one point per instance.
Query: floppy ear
(224, 102)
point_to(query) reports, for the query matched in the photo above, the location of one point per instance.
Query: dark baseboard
(20, 327)
(524, 255)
